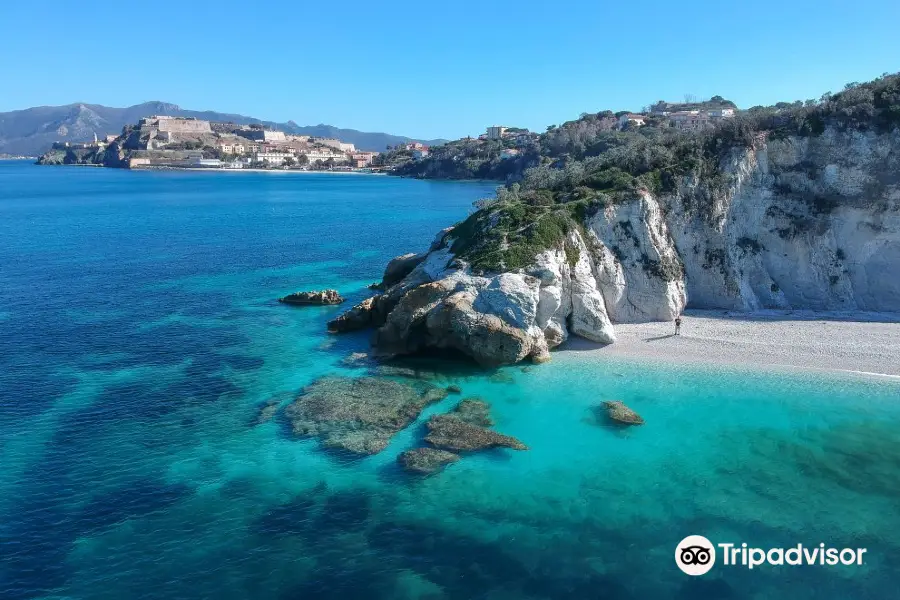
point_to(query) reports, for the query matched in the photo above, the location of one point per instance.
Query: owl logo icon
(695, 555)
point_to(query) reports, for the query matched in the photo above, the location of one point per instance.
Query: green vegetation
(508, 235)
(563, 176)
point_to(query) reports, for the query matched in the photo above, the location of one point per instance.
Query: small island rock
(450, 432)
(618, 412)
(323, 297)
(425, 461)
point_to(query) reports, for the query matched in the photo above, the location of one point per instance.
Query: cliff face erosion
(795, 222)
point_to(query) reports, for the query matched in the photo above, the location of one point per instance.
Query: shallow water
(140, 337)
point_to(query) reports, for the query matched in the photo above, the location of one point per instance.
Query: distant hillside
(32, 131)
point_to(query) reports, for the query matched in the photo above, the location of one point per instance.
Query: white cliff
(794, 223)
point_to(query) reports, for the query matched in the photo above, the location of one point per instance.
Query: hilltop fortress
(166, 124)
(168, 141)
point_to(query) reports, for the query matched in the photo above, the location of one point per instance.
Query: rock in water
(364, 314)
(618, 412)
(359, 415)
(426, 461)
(356, 359)
(454, 389)
(474, 411)
(450, 432)
(267, 411)
(323, 297)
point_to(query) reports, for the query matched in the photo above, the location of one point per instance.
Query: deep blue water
(140, 335)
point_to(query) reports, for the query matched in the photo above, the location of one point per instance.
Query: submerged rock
(267, 411)
(409, 372)
(454, 389)
(323, 297)
(450, 432)
(617, 411)
(356, 359)
(502, 377)
(474, 411)
(359, 415)
(426, 461)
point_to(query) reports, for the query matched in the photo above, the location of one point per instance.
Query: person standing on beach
(678, 325)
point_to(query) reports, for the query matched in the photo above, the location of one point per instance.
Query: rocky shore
(320, 298)
(804, 223)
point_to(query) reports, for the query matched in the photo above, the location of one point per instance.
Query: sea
(140, 334)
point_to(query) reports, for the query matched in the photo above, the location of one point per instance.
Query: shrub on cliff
(509, 235)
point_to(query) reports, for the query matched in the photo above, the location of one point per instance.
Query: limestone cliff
(791, 223)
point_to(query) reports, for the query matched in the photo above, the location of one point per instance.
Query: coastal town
(164, 141)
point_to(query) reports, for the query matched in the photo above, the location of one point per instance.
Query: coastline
(860, 343)
(220, 170)
(266, 171)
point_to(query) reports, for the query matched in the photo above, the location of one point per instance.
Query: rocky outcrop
(474, 411)
(465, 429)
(791, 223)
(363, 315)
(618, 412)
(450, 432)
(399, 268)
(426, 461)
(359, 415)
(323, 297)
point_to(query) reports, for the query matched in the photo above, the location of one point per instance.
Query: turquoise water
(140, 336)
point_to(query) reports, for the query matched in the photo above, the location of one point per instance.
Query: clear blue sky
(437, 69)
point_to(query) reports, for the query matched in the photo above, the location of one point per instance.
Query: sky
(437, 69)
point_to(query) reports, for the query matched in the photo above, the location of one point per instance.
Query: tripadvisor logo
(696, 555)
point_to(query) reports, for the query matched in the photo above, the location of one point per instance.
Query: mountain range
(33, 130)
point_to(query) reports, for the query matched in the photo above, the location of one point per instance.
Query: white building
(635, 119)
(496, 132)
(273, 136)
(315, 154)
(419, 154)
(209, 163)
(272, 158)
(721, 113)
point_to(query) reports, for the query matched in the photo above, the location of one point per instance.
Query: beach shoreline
(863, 343)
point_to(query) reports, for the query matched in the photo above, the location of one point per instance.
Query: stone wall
(179, 125)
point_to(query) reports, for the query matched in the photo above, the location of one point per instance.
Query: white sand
(858, 342)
